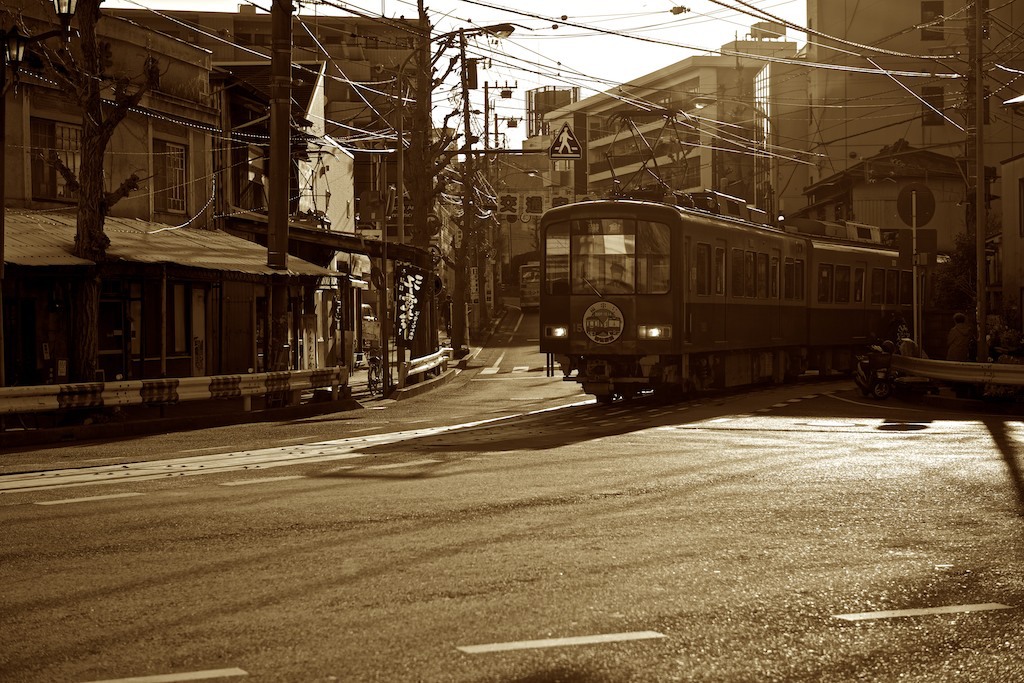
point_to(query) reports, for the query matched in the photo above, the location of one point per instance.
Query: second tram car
(646, 296)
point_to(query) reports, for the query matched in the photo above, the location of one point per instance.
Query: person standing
(959, 339)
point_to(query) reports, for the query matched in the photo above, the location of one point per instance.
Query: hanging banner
(408, 300)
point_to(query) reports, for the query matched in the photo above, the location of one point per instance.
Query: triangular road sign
(565, 145)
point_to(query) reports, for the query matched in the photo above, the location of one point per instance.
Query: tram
(675, 298)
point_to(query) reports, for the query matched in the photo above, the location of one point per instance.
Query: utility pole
(976, 164)
(277, 357)
(459, 326)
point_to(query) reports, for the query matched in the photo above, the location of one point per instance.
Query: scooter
(875, 377)
(873, 374)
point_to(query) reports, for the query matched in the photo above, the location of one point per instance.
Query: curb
(131, 428)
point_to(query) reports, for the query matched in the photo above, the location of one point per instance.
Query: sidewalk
(138, 420)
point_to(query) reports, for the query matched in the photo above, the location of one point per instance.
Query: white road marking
(559, 642)
(261, 480)
(873, 404)
(521, 368)
(891, 614)
(87, 499)
(493, 370)
(184, 676)
(317, 452)
(395, 466)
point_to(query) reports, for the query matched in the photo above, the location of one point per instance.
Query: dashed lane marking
(949, 609)
(395, 466)
(261, 480)
(559, 642)
(184, 676)
(87, 499)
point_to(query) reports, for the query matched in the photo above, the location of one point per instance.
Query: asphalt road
(505, 528)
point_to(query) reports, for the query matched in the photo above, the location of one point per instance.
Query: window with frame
(858, 285)
(877, 286)
(842, 285)
(931, 19)
(719, 270)
(169, 176)
(788, 279)
(773, 278)
(702, 261)
(892, 283)
(825, 283)
(556, 259)
(800, 280)
(762, 276)
(737, 272)
(933, 102)
(750, 274)
(64, 140)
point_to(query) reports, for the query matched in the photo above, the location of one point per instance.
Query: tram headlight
(654, 332)
(556, 331)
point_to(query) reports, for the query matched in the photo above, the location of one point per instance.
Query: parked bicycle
(374, 373)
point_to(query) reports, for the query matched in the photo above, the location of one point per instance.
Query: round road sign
(925, 204)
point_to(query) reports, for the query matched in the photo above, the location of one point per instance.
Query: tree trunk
(90, 243)
(85, 319)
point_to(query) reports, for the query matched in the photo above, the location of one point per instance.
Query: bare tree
(429, 153)
(104, 101)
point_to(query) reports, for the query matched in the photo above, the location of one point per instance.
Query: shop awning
(47, 239)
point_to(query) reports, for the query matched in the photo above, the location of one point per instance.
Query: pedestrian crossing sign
(565, 145)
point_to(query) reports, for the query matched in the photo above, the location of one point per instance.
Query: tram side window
(877, 286)
(906, 288)
(842, 284)
(800, 279)
(702, 261)
(892, 281)
(825, 283)
(719, 270)
(737, 272)
(751, 274)
(773, 278)
(762, 276)
(858, 285)
(789, 279)
(556, 259)
(653, 253)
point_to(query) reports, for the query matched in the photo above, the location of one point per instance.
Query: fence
(417, 367)
(969, 373)
(56, 397)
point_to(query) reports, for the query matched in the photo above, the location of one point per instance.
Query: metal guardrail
(418, 366)
(54, 397)
(953, 371)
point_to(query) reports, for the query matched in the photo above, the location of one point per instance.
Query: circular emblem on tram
(603, 322)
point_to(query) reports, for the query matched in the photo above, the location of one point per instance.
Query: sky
(593, 44)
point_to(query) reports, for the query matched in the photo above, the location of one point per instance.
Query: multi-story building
(362, 60)
(705, 122)
(178, 297)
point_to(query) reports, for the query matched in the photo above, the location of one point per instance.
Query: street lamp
(12, 53)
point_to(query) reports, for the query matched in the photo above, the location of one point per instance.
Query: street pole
(280, 163)
(975, 144)
(3, 197)
(459, 324)
(980, 217)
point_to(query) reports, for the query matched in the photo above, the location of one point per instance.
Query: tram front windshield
(605, 256)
